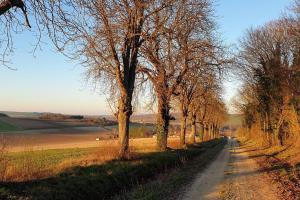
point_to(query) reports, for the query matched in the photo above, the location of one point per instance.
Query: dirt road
(233, 175)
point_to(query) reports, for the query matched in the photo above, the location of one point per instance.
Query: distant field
(22, 114)
(34, 124)
(7, 127)
(234, 120)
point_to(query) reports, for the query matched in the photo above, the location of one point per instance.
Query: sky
(49, 82)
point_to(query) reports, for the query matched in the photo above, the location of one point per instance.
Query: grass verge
(104, 180)
(171, 184)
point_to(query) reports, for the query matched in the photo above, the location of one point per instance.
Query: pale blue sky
(49, 82)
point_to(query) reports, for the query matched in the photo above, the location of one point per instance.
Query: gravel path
(232, 176)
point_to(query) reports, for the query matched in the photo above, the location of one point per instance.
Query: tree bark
(6, 5)
(209, 131)
(214, 130)
(202, 131)
(194, 129)
(124, 113)
(206, 136)
(183, 128)
(163, 120)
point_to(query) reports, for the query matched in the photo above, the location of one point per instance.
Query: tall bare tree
(181, 32)
(197, 83)
(188, 91)
(270, 58)
(106, 37)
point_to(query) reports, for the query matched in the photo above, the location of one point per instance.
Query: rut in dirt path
(232, 176)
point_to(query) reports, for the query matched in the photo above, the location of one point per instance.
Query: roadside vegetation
(91, 179)
(269, 60)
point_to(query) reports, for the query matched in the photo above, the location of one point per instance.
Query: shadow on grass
(102, 181)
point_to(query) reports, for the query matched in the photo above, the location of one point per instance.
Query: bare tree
(270, 58)
(106, 37)
(181, 32)
(191, 90)
(201, 104)
(188, 90)
(14, 17)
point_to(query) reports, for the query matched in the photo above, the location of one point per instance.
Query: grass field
(48, 158)
(7, 127)
(52, 174)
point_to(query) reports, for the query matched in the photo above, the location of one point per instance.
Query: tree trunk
(215, 130)
(183, 128)
(208, 132)
(202, 131)
(194, 129)
(124, 113)
(163, 120)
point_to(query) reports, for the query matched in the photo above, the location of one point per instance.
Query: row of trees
(200, 103)
(125, 43)
(270, 60)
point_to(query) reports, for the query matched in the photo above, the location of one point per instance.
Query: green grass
(103, 181)
(141, 131)
(137, 130)
(48, 158)
(7, 127)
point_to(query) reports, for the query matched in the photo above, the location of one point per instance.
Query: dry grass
(87, 179)
(3, 158)
(110, 151)
(289, 152)
(32, 164)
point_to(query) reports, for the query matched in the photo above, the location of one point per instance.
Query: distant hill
(3, 115)
(22, 114)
